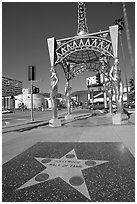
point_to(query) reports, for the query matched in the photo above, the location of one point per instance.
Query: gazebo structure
(86, 52)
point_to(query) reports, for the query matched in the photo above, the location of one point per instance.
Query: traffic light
(31, 73)
(98, 79)
(35, 90)
(12, 97)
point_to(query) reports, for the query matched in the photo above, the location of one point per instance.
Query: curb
(27, 122)
(36, 124)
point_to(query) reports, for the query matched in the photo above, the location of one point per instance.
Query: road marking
(21, 119)
(6, 118)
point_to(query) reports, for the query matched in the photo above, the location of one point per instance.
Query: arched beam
(94, 43)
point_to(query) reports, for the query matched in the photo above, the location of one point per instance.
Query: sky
(27, 25)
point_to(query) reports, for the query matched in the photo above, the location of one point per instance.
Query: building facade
(10, 88)
(25, 100)
(85, 96)
(41, 101)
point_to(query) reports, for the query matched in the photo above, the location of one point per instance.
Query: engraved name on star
(69, 168)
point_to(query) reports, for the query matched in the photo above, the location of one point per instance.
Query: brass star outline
(69, 168)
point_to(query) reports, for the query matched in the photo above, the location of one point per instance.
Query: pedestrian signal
(98, 79)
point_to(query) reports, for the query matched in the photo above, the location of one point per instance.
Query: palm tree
(131, 90)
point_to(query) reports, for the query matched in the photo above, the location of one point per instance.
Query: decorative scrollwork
(82, 22)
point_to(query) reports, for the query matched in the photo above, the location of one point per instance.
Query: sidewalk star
(69, 168)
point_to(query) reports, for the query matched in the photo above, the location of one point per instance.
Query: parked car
(96, 106)
(132, 105)
(7, 111)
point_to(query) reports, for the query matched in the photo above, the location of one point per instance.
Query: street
(12, 118)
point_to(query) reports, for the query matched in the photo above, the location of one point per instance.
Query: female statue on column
(53, 92)
(109, 90)
(67, 94)
(115, 75)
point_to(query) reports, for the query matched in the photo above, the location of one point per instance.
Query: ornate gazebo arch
(84, 52)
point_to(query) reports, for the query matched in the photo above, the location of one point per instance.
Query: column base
(117, 119)
(55, 122)
(69, 117)
(109, 114)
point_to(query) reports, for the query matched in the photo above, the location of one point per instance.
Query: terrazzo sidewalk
(99, 161)
(13, 143)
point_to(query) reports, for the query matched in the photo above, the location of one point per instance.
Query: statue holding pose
(67, 94)
(109, 90)
(115, 75)
(67, 89)
(54, 91)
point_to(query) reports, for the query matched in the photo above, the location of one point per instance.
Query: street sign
(94, 81)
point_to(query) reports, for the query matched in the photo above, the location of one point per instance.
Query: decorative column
(110, 101)
(54, 122)
(67, 94)
(103, 62)
(89, 93)
(110, 95)
(105, 94)
(115, 75)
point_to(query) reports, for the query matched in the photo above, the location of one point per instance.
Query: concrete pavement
(17, 139)
(98, 159)
(40, 121)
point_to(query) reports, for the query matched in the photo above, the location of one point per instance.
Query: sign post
(31, 84)
(31, 78)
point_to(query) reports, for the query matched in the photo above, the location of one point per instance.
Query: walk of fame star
(69, 168)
